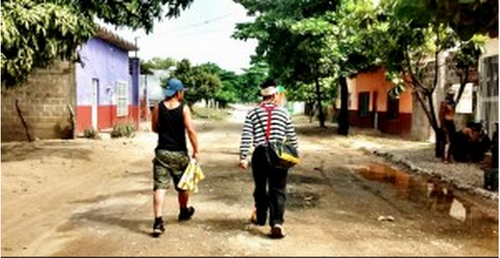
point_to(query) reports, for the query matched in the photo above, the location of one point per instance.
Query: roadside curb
(413, 168)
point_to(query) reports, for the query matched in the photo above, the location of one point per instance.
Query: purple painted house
(66, 98)
(107, 83)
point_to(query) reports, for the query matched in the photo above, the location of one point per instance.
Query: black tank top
(171, 128)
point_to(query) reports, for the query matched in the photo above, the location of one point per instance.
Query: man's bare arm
(154, 119)
(188, 122)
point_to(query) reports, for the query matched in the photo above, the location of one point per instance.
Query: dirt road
(93, 198)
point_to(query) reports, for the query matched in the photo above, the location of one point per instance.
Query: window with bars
(121, 98)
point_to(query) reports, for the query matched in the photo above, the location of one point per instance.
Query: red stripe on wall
(106, 117)
(83, 118)
(400, 126)
(133, 116)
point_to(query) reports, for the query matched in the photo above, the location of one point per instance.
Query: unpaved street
(94, 198)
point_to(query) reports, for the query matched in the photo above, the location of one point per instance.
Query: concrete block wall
(43, 101)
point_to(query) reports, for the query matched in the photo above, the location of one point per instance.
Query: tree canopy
(419, 32)
(305, 42)
(36, 32)
(160, 63)
(295, 56)
(208, 81)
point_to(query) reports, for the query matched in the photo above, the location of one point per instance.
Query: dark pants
(270, 189)
(450, 127)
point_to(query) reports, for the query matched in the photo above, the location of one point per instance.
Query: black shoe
(186, 213)
(158, 228)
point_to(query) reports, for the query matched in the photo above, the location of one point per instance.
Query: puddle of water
(433, 196)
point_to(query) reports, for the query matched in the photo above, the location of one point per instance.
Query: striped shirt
(254, 128)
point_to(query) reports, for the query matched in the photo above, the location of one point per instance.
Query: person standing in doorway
(446, 116)
(270, 183)
(171, 119)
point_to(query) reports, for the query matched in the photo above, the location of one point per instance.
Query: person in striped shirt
(254, 132)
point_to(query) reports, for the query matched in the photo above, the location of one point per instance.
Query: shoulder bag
(279, 154)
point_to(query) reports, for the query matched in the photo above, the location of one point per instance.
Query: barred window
(121, 98)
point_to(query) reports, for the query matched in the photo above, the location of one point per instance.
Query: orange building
(370, 105)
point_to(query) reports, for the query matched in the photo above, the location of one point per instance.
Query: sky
(201, 34)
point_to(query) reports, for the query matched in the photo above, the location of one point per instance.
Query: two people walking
(172, 120)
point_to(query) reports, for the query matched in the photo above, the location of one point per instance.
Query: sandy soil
(94, 198)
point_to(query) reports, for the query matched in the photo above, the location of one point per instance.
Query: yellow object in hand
(192, 175)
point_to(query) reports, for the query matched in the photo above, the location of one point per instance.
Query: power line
(199, 33)
(197, 24)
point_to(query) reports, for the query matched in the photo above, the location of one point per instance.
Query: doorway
(374, 110)
(95, 102)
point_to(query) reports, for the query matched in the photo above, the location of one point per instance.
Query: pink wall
(375, 81)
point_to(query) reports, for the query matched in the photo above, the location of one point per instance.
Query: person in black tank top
(171, 120)
(171, 128)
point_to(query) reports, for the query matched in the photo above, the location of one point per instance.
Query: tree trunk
(429, 111)
(309, 110)
(72, 120)
(25, 125)
(463, 81)
(334, 110)
(321, 114)
(343, 117)
(311, 113)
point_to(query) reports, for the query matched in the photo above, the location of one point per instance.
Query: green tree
(160, 63)
(207, 84)
(201, 85)
(248, 87)
(227, 93)
(305, 42)
(418, 31)
(36, 32)
(295, 55)
(356, 29)
(468, 17)
(185, 73)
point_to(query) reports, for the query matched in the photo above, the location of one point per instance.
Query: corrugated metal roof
(114, 39)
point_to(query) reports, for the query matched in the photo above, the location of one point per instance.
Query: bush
(90, 133)
(126, 129)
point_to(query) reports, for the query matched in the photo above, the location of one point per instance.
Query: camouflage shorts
(168, 164)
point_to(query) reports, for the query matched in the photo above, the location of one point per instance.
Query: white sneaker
(277, 231)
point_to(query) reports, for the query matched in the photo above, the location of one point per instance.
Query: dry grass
(210, 113)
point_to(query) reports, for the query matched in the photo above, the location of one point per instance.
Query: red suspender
(268, 127)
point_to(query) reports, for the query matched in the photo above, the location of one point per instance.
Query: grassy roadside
(210, 113)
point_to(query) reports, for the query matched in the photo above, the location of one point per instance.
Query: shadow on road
(29, 151)
(224, 225)
(104, 197)
(113, 216)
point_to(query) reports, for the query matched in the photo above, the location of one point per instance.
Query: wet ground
(466, 213)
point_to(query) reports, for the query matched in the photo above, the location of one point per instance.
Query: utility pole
(135, 42)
